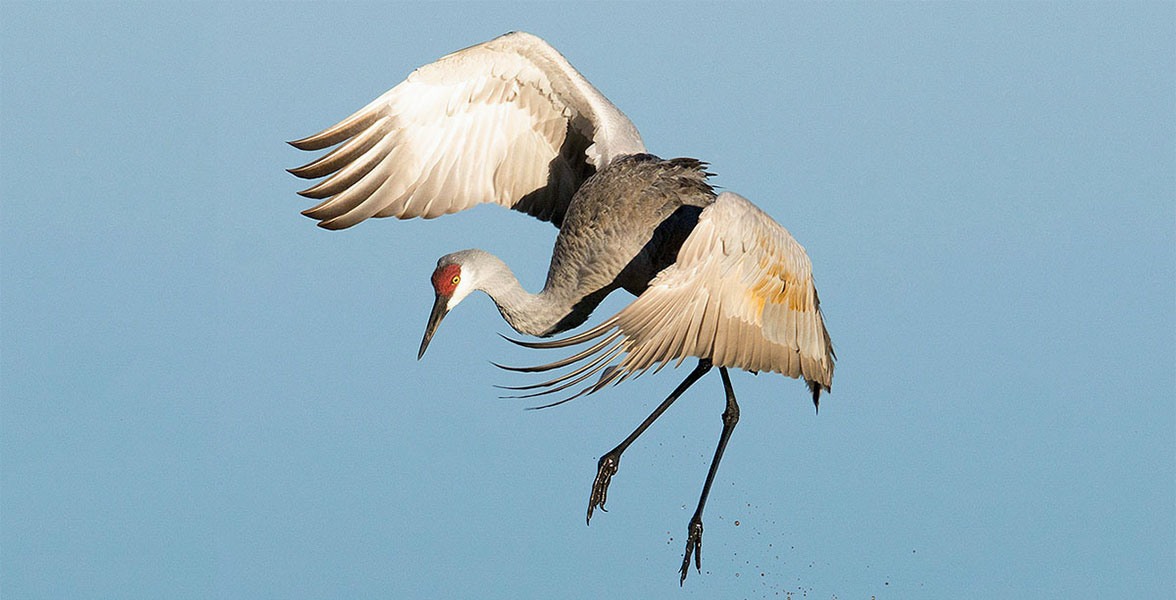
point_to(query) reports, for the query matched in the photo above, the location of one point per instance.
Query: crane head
(450, 289)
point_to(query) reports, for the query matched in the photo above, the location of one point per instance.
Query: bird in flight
(511, 122)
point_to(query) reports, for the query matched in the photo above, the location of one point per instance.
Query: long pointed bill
(439, 312)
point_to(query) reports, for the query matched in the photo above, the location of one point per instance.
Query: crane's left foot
(693, 546)
(605, 469)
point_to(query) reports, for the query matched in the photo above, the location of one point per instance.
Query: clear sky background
(206, 396)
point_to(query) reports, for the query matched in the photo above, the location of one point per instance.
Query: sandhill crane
(510, 121)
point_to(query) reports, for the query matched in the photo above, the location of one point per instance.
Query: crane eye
(456, 278)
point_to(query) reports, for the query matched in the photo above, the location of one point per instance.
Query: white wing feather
(508, 121)
(740, 294)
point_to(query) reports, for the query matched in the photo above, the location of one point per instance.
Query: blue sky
(204, 395)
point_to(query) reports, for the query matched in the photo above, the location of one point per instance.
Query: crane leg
(607, 467)
(694, 536)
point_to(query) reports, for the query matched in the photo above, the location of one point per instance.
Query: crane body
(624, 225)
(511, 122)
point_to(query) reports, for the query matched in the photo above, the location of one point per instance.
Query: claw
(693, 546)
(605, 469)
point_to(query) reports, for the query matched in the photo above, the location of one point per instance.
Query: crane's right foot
(693, 547)
(605, 469)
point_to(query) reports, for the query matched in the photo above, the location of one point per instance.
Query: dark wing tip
(510, 368)
(556, 403)
(333, 224)
(524, 344)
(308, 143)
(304, 172)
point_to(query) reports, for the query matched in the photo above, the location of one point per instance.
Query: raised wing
(508, 121)
(740, 294)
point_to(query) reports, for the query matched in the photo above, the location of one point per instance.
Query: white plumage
(740, 293)
(486, 124)
(511, 122)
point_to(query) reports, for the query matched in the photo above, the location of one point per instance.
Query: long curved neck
(543, 314)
